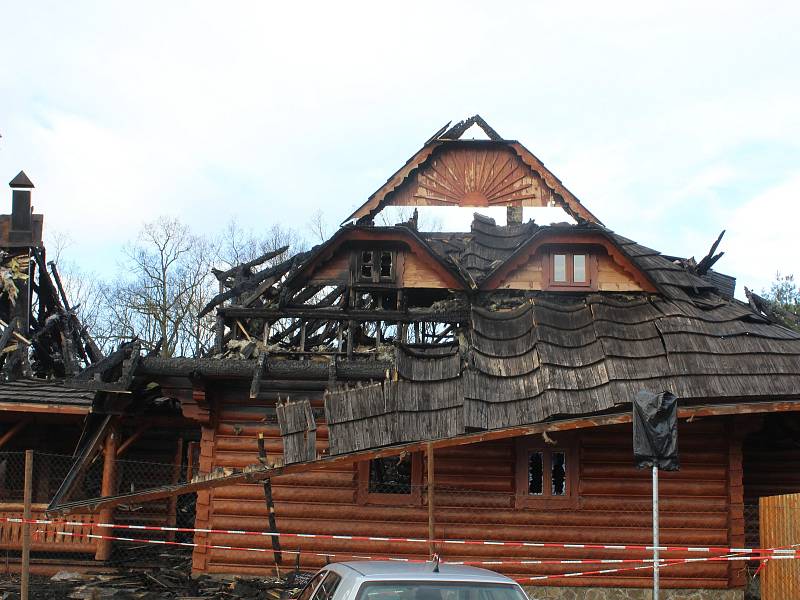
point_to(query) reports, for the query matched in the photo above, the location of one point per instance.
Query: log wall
(475, 499)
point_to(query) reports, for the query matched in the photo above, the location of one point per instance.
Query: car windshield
(438, 590)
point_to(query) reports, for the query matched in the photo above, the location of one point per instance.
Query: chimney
(21, 224)
(514, 215)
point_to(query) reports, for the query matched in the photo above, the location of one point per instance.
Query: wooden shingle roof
(44, 392)
(555, 357)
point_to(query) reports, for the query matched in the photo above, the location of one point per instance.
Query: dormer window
(375, 266)
(570, 268)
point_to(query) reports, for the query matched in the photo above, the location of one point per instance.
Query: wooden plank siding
(611, 277)
(475, 499)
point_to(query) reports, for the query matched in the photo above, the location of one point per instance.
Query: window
(390, 480)
(438, 590)
(570, 269)
(546, 473)
(389, 476)
(375, 266)
(327, 587)
(309, 589)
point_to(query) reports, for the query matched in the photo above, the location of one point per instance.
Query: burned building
(53, 400)
(476, 385)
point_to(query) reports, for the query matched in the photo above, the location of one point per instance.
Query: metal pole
(431, 484)
(655, 533)
(26, 528)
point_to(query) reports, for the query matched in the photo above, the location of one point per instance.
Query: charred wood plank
(255, 385)
(8, 332)
(248, 284)
(273, 524)
(83, 461)
(223, 275)
(240, 369)
(709, 259)
(334, 314)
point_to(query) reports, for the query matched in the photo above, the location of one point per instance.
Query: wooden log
(240, 369)
(108, 487)
(359, 315)
(256, 473)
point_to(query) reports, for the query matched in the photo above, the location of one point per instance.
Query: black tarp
(655, 430)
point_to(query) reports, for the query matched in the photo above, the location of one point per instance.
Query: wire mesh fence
(56, 544)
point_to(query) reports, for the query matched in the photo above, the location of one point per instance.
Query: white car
(394, 580)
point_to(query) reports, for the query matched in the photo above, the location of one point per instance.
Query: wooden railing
(45, 538)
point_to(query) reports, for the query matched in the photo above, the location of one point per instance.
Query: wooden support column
(26, 527)
(172, 507)
(219, 333)
(108, 488)
(431, 503)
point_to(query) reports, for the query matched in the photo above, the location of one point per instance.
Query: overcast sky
(671, 121)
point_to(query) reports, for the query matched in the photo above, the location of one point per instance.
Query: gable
(607, 275)
(448, 171)
(413, 270)
(473, 175)
(415, 265)
(529, 268)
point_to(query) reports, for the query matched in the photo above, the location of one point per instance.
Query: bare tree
(318, 227)
(166, 280)
(237, 245)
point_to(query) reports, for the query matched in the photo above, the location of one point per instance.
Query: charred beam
(223, 275)
(333, 314)
(241, 369)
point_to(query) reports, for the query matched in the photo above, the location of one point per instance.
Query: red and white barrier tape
(767, 555)
(662, 563)
(222, 547)
(360, 538)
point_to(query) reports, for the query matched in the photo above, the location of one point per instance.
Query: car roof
(395, 570)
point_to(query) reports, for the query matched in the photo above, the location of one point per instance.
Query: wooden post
(108, 487)
(172, 509)
(431, 482)
(26, 527)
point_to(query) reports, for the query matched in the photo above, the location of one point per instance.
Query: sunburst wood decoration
(473, 177)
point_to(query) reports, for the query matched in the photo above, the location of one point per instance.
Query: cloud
(761, 236)
(270, 112)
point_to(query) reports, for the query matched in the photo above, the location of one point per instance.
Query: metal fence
(56, 545)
